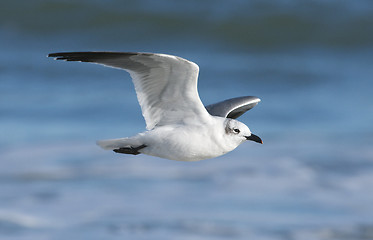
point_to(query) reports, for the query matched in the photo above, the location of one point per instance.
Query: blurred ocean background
(309, 61)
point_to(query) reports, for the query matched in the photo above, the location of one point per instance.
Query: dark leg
(130, 150)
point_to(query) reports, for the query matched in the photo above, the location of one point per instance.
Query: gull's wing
(166, 86)
(234, 107)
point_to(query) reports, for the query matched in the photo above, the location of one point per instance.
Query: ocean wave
(250, 24)
(15, 221)
(247, 193)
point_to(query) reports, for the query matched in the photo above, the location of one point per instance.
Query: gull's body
(179, 126)
(188, 142)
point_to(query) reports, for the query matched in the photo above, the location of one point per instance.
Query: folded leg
(130, 150)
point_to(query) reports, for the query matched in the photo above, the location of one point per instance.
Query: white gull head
(179, 126)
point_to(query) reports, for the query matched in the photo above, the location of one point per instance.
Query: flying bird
(179, 127)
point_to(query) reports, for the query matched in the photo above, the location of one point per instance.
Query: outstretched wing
(166, 85)
(234, 107)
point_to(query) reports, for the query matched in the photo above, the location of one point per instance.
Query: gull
(179, 127)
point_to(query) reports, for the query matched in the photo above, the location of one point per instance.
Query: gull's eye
(236, 130)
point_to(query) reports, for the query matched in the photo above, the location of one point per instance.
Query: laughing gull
(179, 127)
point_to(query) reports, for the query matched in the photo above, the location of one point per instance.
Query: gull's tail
(111, 144)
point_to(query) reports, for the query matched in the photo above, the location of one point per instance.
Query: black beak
(254, 138)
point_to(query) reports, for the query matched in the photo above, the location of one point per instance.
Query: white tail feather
(111, 144)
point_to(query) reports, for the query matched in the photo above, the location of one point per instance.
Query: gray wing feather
(166, 85)
(234, 107)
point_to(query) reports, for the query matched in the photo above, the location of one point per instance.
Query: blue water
(309, 62)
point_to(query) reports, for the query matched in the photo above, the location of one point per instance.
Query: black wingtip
(90, 56)
(68, 56)
(59, 56)
(51, 55)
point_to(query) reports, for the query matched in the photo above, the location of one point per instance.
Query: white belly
(185, 144)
